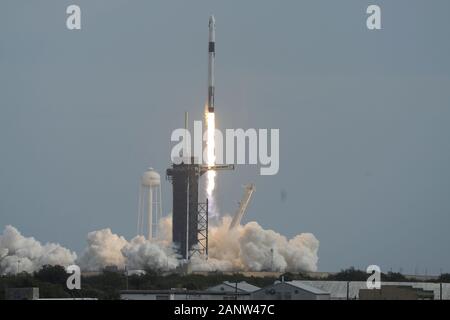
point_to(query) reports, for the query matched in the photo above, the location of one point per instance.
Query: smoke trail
(21, 254)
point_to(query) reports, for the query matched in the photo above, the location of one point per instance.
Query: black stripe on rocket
(210, 99)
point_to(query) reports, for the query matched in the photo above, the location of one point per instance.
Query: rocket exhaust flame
(211, 160)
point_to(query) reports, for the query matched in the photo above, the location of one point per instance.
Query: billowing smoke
(245, 248)
(249, 247)
(18, 253)
(104, 249)
(141, 253)
(107, 249)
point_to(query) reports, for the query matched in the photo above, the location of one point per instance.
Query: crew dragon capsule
(211, 58)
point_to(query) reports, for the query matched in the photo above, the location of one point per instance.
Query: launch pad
(190, 217)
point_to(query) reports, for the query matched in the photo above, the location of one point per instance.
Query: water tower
(150, 211)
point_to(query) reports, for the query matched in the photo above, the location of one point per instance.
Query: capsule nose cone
(212, 22)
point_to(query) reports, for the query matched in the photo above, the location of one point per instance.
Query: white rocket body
(211, 58)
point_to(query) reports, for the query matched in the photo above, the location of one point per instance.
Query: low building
(67, 299)
(396, 293)
(342, 290)
(299, 290)
(181, 294)
(290, 290)
(234, 287)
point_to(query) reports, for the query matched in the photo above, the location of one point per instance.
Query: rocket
(211, 58)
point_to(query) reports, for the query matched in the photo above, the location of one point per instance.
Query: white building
(234, 287)
(289, 290)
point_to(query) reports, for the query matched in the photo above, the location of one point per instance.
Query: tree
(445, 277)
(52, 274)
(350, 274)
(393, 277)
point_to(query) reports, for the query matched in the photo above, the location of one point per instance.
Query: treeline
(352, 274)
(51, 281)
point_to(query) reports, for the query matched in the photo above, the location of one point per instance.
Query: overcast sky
(363, 118)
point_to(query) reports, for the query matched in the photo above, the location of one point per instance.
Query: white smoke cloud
(245, 248)
(141, 253)
(104, 249)
(27, 254)
(249, 247)
(108, 249)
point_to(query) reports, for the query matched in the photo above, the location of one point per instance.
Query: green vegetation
(445, 277)
(352, 274)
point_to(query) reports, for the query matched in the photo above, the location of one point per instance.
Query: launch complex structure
(190, 218)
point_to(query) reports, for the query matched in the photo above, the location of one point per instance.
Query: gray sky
(363, 117)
